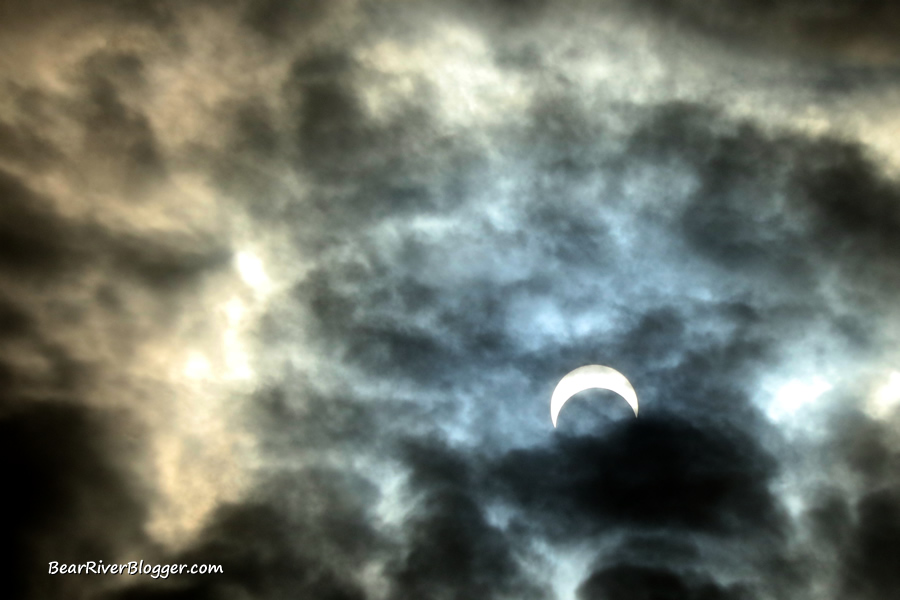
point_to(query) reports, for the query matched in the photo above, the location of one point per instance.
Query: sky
(286, 286)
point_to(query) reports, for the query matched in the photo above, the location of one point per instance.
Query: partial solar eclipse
(591, 377)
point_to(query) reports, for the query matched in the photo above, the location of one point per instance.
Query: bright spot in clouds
(794, 395)
(197, 367)
(237, 360)
(251, 270)
(886, 399)
(235, 310)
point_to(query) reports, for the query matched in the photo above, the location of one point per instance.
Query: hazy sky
(286, 286)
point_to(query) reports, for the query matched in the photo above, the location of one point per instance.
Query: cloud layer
(286, 287)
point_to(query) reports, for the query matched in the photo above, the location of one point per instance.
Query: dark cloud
(739, 170)
(337, 142)
(656, 547)
(339, 421)
(260, 554)
(473, 558)
(18, 144)
(38, 243)
(386, 344)
(505, 14)
(654, 472)
(313, 530)
(869, 569)
(862, 529)
(124, 68)
(14, 321)
(18, 16)
(863, 445)
(626, 582)
(360, 165)
(119, 134)
(854, 207)
(283, 19)
(332, 133)
(570, 238)
(779, 208)
(35, 242)
(856, 30)
(72, 499)
(308, 533)
(169, 266)
(255, 133)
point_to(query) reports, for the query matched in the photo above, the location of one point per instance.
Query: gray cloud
(859, 31)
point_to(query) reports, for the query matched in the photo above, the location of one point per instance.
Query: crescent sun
(591, 377)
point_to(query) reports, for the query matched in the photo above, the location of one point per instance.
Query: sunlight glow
(197, 367)
(251, 270)
(235, 310)
(887, 398)
(237, 360)
(796, 394)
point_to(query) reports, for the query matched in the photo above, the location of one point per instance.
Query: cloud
(474, 557)
(72, 500)
(655, 472)
(869, 573)
(280, 20)
(454, 205)
(860, 527)
(854, 30)
(404, 309)
(310, 536)
(36, 243)
(624, 581)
